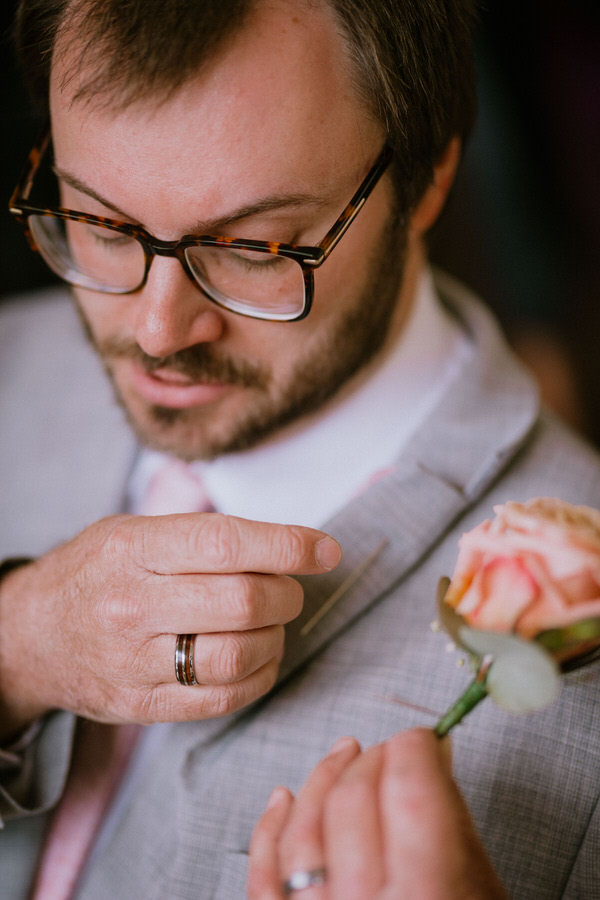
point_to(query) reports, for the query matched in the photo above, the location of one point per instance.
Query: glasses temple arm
(339, 228)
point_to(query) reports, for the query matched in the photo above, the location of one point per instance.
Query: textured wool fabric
(371, 667)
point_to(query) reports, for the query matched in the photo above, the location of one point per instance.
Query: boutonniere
(524, 603)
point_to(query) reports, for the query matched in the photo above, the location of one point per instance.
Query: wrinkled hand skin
(90, 627)
(388, 823)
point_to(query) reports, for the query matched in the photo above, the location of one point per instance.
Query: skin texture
(253, 147)
(386, 823)
(110, 601)
(114, 598)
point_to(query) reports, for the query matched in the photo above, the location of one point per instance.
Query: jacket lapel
(484, 418)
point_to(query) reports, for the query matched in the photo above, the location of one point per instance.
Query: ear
(431, 203)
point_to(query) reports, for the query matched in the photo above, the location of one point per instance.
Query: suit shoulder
(555, 461)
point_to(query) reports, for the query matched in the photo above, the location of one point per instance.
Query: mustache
(198, 363)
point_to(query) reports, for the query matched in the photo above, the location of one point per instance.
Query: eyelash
(269, 261)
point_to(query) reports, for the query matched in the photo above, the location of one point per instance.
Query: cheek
(346, 274)
(105, 315)
(337, 286)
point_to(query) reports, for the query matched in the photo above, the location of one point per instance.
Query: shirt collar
(305, 476)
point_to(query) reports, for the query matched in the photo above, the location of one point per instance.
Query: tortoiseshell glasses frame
(308, 258)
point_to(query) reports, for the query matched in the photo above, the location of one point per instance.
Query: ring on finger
(302, 879)
(184, 659)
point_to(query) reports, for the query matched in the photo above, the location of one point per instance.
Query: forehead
(276, 111)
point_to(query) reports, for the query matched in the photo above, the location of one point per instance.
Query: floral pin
(524, 603)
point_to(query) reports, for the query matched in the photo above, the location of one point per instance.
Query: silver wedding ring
(302, 879)
(184, 659)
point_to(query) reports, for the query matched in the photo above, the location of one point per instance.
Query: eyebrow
(212, 226)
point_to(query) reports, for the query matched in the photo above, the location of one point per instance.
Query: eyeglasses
(261, 279)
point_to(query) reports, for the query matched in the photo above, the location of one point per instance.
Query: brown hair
(412, 60)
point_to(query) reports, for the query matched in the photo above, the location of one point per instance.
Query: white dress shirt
(308, 474)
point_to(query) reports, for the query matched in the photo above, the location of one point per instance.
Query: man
(203, 154)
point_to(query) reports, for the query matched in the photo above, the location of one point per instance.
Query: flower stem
(473, 695)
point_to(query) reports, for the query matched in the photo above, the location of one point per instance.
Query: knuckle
(119, 537)
(118, 610)
(218, 540)
(292, 548)
(245, 601)
(224, 699)
(295, 596)
(266, 678)
(231, 660)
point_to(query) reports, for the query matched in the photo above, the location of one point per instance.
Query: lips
(165, 387)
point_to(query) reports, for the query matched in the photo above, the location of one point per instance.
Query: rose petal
(499, 594)
(537, 620)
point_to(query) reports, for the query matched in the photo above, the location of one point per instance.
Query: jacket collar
(484, 418)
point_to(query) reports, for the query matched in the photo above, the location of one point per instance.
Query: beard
(331, 358)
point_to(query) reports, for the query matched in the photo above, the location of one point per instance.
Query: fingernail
(341, 744)
(276, 797)
(328, 553)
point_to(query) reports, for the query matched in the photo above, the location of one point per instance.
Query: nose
(171, 314)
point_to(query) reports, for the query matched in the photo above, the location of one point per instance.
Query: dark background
(523, 224)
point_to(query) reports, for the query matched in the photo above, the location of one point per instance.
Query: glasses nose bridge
(169, 249)
(155, 247)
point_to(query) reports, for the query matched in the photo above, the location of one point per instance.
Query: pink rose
(534, 567)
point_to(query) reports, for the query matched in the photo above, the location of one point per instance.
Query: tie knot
(175, 488)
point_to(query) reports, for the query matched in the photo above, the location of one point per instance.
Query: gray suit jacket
(371, 667)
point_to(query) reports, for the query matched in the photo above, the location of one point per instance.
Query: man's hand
(91, 627)
(386, 824)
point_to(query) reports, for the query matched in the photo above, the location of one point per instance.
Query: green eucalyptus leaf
(567, 637)
(483, 643)
(523, 676)
(523, 685)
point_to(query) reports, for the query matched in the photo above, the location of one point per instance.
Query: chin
(175, 431)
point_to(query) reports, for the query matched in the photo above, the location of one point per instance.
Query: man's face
(274, 127)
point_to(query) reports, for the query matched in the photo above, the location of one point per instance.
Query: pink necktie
(102, 752)
(175, 488)
(100, 757)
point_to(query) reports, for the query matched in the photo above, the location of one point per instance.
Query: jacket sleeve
(34, 768)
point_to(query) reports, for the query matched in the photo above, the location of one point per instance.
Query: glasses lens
(249, 282)
(91, 256)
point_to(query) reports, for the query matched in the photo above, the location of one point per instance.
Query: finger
(210, 542)
(221, 658)
(264, 878)
(416, 779)
(188, 604)
(301, 845)
(179, 703)
(352, 833)
(431, 842)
